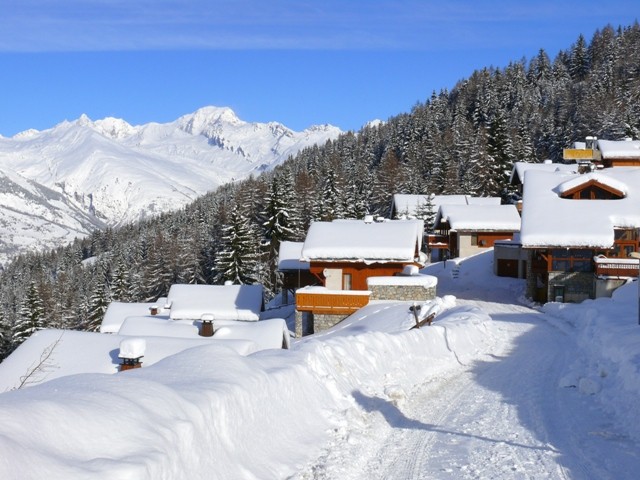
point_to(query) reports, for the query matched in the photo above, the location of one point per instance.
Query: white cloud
(93, 25)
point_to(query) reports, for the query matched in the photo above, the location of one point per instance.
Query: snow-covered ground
(495, 388)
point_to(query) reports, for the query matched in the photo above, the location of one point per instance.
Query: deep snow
(495, 388)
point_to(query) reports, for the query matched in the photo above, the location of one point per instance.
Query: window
(625, 242)
(572, 260)
(346, 281)
(474, 239)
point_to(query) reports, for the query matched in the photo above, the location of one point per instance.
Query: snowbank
(209, 412)
(608, 333)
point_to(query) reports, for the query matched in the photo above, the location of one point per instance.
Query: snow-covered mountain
(33, 216)
(108, 172)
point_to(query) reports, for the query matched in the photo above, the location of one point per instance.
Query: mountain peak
(206, 119)
(114, 127)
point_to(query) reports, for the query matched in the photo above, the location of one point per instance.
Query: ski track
(501, 416)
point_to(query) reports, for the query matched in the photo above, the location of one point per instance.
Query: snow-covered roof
(596, 177)
(409, 204)
(230, 302)
(158, 326)
(268, 334)
(550, 220)
(490, 218)
(619, 148)
(390, 241)
(118, 311)
(74, 352)
(520, 168)
(289, 256)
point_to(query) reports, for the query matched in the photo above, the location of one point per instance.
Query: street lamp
(637, 255)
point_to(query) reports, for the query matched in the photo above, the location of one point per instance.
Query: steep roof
(550, 220)
(369, 242)
(488, 218)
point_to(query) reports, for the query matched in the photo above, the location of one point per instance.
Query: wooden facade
(354, 275)
(620, 162)
(562, 268)
(335, 303)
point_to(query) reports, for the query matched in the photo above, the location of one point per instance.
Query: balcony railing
(614, 267)
(320, 300)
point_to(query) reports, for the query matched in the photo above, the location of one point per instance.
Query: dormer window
(592, 188)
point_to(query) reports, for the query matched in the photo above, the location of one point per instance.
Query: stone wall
(579, 286)
(408, 293)
(324, 322)
(308, 323)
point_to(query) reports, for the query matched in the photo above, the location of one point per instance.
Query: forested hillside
(459, 141)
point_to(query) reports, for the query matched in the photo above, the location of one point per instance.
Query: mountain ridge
(112, 172)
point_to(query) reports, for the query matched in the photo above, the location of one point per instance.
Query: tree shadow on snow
(396, 419)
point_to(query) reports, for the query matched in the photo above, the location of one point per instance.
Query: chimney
(153, 309)
(131, 351)
(206, 330)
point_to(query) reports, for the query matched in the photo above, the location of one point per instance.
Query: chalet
(520, 168)
(417, 206)
(343, 255)
(222, 302)
(295, 272)
(578, 231)
(193, 311)
(604, 153)
(470, 229)
(619, 153)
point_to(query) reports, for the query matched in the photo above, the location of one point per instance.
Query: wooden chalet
(295, 272)
(619, 153)
(342, 255)
(604, 153)
(578, 231)
(464, 230)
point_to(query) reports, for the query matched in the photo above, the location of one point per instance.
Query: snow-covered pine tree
(426, 211)
(98, 304)
(5, 336)
(30, 316)
(237, 258)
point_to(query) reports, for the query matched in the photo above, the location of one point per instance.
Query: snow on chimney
(206, 330)
(131, 351)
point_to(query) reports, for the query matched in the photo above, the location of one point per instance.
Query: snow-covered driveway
(504, 415)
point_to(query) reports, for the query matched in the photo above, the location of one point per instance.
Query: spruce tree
(237, 259)
(30, 317)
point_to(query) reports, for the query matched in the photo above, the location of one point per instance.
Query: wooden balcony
(434, 241)
(320, 300)
(616, 267)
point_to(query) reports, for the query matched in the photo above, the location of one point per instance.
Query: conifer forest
(463, 141)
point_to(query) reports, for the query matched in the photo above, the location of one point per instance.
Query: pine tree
(5, 336)
(237, 259)
(30, 317)
(426, 211)
(98, 304)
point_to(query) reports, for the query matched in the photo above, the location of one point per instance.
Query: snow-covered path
(502, 416)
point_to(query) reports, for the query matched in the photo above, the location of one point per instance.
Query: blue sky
(343, 62)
